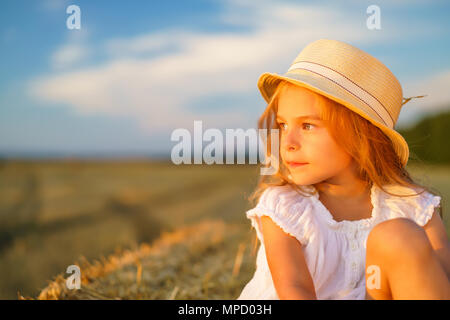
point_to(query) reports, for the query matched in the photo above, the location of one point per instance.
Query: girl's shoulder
(289, 209)
(282, 196)
(409, 202)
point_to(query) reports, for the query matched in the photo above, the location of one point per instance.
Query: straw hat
(350, 77)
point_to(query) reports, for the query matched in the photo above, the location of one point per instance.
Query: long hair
(373, 152)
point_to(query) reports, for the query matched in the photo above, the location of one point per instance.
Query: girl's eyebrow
(312, 117)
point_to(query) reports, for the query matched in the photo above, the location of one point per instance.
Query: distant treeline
(429, 139)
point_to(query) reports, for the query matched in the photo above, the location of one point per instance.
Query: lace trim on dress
(346, 225)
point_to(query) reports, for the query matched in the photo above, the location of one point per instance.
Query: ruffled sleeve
(289, 210)
(419, 208)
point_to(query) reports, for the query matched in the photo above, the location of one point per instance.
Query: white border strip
(349, 86)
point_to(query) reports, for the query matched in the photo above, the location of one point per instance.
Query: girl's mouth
(292, 164)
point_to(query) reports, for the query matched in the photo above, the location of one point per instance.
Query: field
(139, 229)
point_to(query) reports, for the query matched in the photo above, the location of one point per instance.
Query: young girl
(342, 218)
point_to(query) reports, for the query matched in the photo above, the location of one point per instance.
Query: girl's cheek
(319, 146)
(327, 150)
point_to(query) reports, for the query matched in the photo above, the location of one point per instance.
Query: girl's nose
(290, 142)
(292, 147)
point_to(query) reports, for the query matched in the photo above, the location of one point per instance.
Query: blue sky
(136, 71)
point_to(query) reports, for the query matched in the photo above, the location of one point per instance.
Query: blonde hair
(373, 152)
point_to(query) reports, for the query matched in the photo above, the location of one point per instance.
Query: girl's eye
(282, 125)
(308, 125)
(305, 125)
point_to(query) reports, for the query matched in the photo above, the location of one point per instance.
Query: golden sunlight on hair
(371, 149)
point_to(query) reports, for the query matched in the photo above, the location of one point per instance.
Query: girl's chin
(301, 181)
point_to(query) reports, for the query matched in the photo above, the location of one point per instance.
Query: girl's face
(305, 139)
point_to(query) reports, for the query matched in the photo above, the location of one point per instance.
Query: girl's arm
(287, 263)
(437, 235)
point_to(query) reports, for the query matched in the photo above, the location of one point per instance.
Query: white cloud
(69, 55)
(74, 51)
(156, 90)
(142, 44)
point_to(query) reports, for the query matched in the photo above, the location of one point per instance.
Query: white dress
(335, 252)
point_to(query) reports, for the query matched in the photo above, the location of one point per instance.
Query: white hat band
(348, 85)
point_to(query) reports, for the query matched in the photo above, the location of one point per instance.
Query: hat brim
(268, 83)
